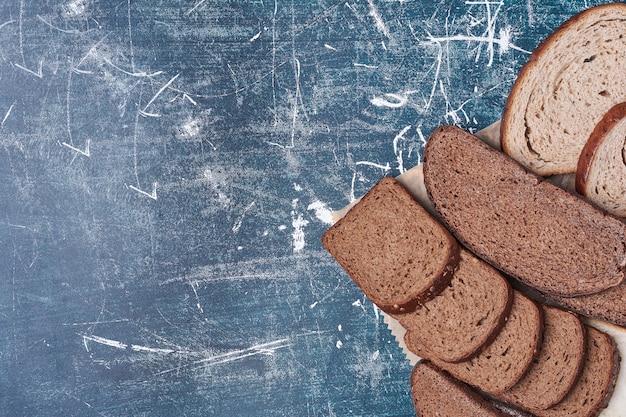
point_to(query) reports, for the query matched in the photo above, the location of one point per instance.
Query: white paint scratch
(85, 152)
(103, 341)
(6, 115)
(239, 222)
(378, 20)
(158, 93)
(152, 195)
(488, 37)
(397, 151)
(255, 37)
(269, 348)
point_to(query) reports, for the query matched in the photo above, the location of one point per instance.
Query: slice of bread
(524, 226)
(593, 390)
(569, 82)
(466, 316)
(609, 305)
(504, 362)
(558, 365)
(601, 170)
(436, 394)
(396, 252)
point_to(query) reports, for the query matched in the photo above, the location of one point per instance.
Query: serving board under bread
(167, 169)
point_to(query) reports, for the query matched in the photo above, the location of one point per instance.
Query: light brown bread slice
(594, 388)
(558, 365)
(396, 252)
(504, 362)
(466, 316)
(601, 170)
(569, 82)
(524, 226)
(436, 394)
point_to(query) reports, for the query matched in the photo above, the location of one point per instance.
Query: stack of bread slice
(474, 331)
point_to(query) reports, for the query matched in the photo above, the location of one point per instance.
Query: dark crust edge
(538, 341)
(480, 400)
(544, 291)
(593, 311)
(596, 139)
(504, 316)
(579, 365)
(442, 278)
(535, 56)
(495, 331)
(610, 388)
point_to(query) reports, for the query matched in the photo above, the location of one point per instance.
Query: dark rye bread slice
(556, 369)
(526, 227)
(571, 79)
(466, 316)
(504, 362)
(601, 169)
(395, 251)
(436, 394)
(609, 305)
(592, 392)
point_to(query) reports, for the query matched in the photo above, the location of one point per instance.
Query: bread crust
(509, 111)
(597, 137)
(410, 302)
(490, 225)
(422, 327)
(530, 393)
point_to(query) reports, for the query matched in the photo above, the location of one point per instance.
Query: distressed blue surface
(166, 172)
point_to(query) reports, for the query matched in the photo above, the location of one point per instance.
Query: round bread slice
(569, 82)
(601, 170)
(504, 362)
(466, 316)
(592, 392)
(436, 394)
(394, 250)
(558, 365)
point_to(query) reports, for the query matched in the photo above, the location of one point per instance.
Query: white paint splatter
(298, 223)
(322, 212)
(76, 8)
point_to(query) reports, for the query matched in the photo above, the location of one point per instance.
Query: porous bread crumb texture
(592, 392)
(467, 315)
(601, 169)
(396, 252)
(436, 394)
(501, 364)
(558, 365)
(526, 227)
(568, 84)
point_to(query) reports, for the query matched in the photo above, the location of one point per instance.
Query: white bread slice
(570, 81)
(601, 171)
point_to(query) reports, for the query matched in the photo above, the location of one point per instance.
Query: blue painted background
(167, 169)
